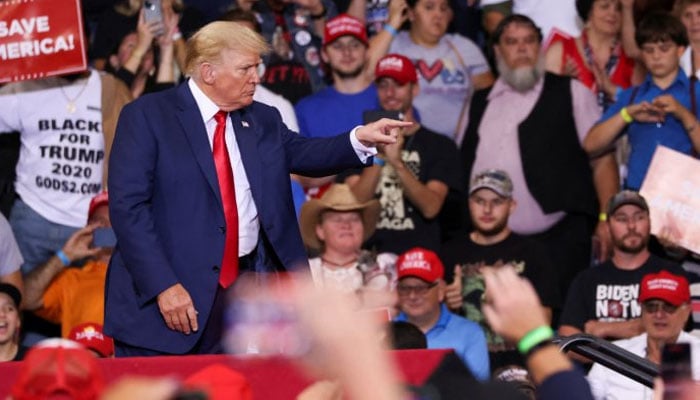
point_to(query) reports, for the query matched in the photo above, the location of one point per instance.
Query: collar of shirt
(502, 88)
(681, 80)
(441, 323)
(205, 105)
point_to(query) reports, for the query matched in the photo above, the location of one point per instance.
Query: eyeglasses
(419, 290)
(652, 307)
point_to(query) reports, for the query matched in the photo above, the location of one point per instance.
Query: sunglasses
(654, 306)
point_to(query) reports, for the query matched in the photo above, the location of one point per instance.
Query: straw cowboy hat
(338, 197)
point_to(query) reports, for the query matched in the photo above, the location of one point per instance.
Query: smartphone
(104, 237)
(370, 116)
(153, 12)
(676, 370)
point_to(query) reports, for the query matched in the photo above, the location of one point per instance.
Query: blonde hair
(207, 44)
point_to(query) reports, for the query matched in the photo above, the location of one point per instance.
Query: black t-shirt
(528, 257)
(401, 226)
(608, 293)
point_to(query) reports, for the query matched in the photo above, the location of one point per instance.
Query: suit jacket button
(222, 229)
(215, 268)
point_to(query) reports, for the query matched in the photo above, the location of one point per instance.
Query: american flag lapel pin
(245, 124)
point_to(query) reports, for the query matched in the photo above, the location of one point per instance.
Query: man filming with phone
(412, 177)
(64, 294)
(665, 301)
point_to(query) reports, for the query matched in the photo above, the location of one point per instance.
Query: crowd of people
(376, 148)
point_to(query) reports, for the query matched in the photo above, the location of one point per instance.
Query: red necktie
(229, 265)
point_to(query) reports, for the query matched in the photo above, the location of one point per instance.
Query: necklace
(71, 107)
(333, 264)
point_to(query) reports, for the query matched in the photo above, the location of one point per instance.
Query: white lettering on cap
(394, 63)
(662, 283)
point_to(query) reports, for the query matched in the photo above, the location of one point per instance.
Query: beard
(619, 243)
(521, 79)
(349, 74)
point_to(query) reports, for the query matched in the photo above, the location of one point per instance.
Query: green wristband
(534, 337)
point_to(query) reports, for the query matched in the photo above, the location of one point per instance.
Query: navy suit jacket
(166, 210)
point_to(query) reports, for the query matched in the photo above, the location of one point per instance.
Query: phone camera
(149, 5)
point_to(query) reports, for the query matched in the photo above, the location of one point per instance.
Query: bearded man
(531, 124)
(605, 301)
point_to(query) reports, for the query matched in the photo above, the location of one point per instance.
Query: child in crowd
(662, 110)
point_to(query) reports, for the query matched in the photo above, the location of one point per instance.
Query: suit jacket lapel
(191, 120)
(246, 132)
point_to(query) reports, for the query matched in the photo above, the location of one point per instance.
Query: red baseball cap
(91, 336)
(343, 25)
(420, 263)
(99, 200)
(396, 67)
(673, 289)
(56, 367)
(220, 382)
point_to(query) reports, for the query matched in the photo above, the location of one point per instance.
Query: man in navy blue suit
(199, 192)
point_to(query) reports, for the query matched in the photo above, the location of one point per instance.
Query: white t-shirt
(265, 96)
(10, 256)
(686, 64)
(607, 384)
(547, 14)
(444, 75)
(346, 280)
(62, 144)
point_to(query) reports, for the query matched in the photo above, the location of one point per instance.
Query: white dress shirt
(248, 223)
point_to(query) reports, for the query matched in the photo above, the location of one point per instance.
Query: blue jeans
(38, 238)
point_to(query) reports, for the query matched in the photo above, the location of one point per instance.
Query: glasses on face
(419, 290)
(652, 307)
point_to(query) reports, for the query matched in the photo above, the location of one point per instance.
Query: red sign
(40, 38)
(672, 189)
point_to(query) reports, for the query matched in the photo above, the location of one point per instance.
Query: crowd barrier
(270, 377)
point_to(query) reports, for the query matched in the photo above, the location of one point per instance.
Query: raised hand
(453, 291)
(384, 131)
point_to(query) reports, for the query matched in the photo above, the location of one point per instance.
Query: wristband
(626, 116)
(602, 217)
(63, 257)
(391, 30)
(535, 337)
(379, 161)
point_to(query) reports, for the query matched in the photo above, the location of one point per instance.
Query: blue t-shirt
(463, 336)
(329, 112)
(644, 137)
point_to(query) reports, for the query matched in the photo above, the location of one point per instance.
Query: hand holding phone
(676, 370)
(153, 13)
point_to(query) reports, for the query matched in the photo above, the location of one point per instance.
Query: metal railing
(609, 355)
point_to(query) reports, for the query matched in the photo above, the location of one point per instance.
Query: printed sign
(40, 38)
(672, 189)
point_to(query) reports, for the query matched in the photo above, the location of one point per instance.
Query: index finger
(192, 316)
